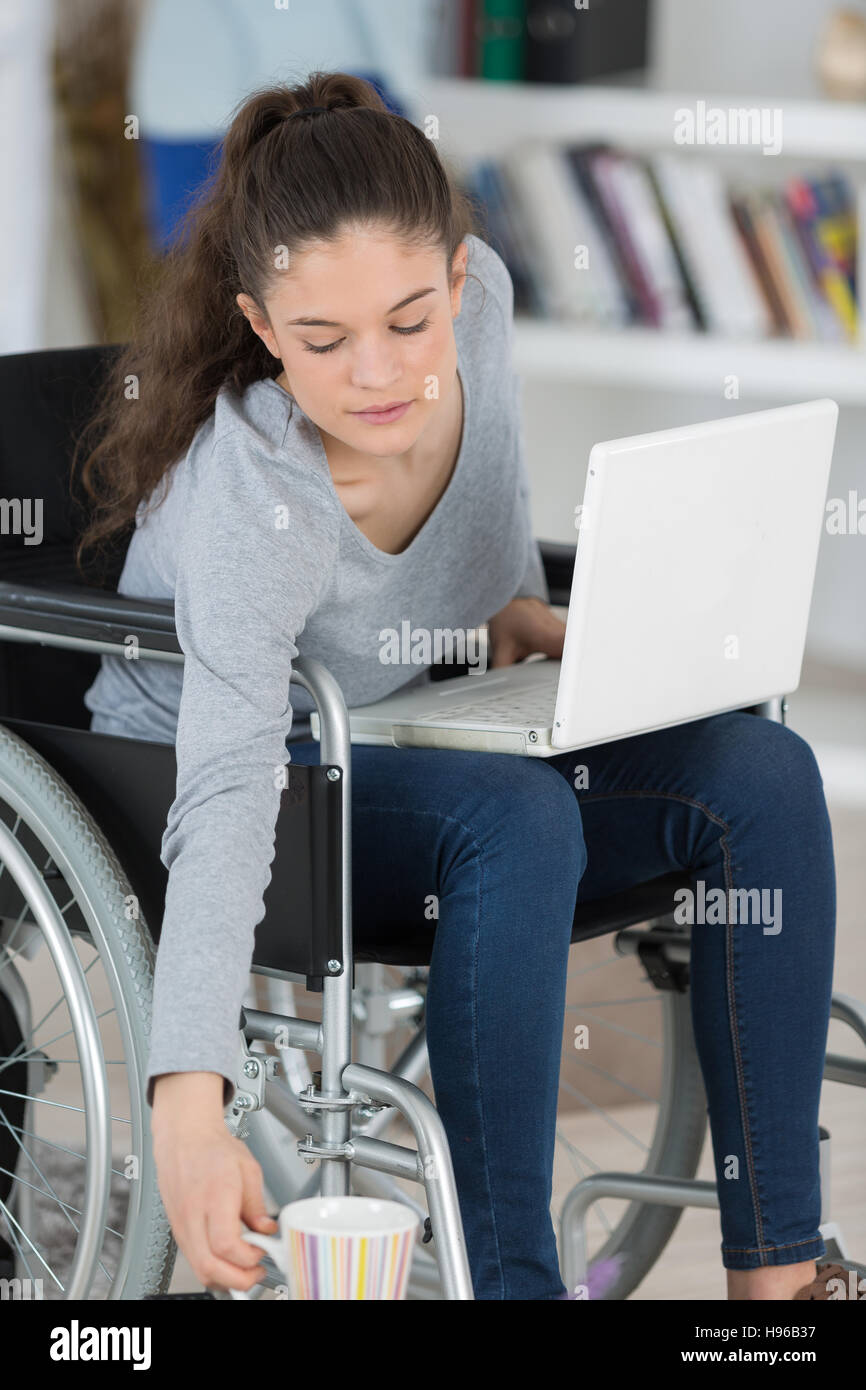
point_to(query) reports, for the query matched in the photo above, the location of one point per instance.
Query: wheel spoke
(574, 1153)
(596, 965)
(8, 942)
(11, 1219)
(18, 1056)
(53, 1144)
(615, 1027)
(617, 1080)
(48, 1190)
(65, 1207)
(16, 1242)
(79, 1110)
(591, 1105)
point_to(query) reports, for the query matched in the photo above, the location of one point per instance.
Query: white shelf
(646, 357)
(481, 119)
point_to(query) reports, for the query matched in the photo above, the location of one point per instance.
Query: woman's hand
(208, 1180)
(524, 626)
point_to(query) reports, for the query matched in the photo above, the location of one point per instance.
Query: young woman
(320, 402)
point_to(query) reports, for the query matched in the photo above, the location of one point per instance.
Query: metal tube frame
(346, 1084)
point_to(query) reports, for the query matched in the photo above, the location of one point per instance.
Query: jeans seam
(759, 1249)
(732, 1003)
(455, 820)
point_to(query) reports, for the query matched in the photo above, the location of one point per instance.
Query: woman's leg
(737, 802)
(486, 851)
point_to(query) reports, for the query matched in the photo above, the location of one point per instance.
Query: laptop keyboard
(533, 710)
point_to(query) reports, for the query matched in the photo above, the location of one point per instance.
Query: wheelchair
(332, 1092)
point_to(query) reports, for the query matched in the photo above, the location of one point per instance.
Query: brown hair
(277, 183)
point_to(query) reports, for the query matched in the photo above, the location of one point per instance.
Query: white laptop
(696, 555)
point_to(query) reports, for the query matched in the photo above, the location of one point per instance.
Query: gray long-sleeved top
(265, 565)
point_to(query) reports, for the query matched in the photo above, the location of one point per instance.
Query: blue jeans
(506, 844)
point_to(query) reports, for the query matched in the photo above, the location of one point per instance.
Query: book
(500, 31)
(743, 214)
(823, 323)
(598, 236)
(570, 41)
(639, 219)
(588, 170)
(768, 232)
(828, 239)
(723, 278)
(487, 182)
(576, 274)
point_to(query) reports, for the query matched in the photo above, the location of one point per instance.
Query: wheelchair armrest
(558, 561)
(71, 615)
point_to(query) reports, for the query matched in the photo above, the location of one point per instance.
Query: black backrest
(45, 400)
(301, 928)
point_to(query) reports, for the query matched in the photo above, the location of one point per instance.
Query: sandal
(825, 1286)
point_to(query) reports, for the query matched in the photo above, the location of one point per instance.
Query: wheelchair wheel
(632, 1102)
(80, 1213)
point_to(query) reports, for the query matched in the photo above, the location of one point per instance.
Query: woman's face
(364, 322)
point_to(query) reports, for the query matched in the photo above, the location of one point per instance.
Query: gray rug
(54, 1231)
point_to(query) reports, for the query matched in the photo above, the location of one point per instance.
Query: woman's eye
(413, 328)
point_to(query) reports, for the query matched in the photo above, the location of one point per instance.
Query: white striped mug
(335, 1248)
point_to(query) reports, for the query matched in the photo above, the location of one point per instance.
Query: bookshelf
(480, 119)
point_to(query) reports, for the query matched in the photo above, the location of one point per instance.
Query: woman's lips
(383, 417)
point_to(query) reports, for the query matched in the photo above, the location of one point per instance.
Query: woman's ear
(258, 323)
(458, 277)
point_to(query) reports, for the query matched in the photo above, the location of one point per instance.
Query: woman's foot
(770, 1282)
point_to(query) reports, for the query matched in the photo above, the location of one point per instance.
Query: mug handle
(274, 1247)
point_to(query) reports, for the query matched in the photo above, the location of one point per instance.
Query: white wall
(740, 46)
(26, 131)
(196, 59)
(762, 47)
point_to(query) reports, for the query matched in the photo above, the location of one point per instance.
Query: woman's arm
(259, 542)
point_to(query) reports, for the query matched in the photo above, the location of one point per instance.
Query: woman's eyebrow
(329, 323)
